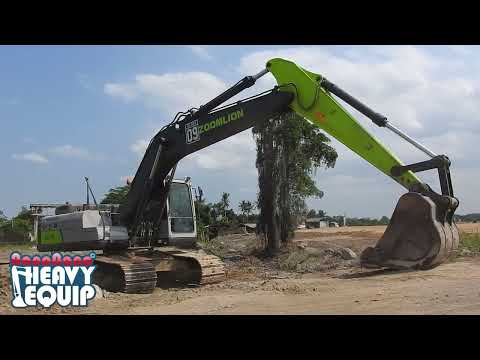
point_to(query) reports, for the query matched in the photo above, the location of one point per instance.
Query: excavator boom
(314, 103)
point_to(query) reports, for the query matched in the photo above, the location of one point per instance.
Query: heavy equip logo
(193, 130)
(46, 280)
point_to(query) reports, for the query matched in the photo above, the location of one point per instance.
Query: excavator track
(139, 271)
(123, 273)
(209, 268)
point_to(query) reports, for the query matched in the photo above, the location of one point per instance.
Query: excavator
(137, 242)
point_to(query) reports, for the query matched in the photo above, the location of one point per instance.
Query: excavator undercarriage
(141, 270)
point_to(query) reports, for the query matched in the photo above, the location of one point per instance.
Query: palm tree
(225, 202)
(246, 208)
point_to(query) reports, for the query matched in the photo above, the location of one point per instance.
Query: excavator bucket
(421, 234)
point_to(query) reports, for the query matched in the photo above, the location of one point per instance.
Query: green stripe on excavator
(318, 106)
(50, 237)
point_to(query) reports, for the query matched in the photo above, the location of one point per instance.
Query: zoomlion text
(193, 130)
(222, 120)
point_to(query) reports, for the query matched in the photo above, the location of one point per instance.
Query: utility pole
(88, 193)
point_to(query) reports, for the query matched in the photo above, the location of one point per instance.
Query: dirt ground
(330, 284)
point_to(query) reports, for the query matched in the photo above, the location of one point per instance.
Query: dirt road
(255, 287)
(445, 290)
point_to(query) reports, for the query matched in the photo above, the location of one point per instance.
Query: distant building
(249, 227)
(316, 222)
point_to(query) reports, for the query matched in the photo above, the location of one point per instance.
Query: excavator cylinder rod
(243, 84)
(410, 140)
(377, 118)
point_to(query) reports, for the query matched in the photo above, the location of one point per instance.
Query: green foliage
(116, 195)
(470, 241)
(204, 212)
(475, 217)
(246, 207)
(290, 150)
(2, 217)
(321, 213)
(304, 149)
(367, 221)
(225, 201)
(312, 214)
(25, 214)
(224, 204)
(18, 228)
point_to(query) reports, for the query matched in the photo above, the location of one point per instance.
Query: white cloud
(70, 151)
(201, 51)
(460, 49)
(125, 92)
(139, 147)
(171, 92)
(33, 157)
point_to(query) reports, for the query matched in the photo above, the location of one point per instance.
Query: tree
(18, 228)
(3, 218)
(311, 214)
(116, 195)
(24, 214)
(289, 152)
(384, 220)
(225, 200)
(204, 212)
(246, 208)
(225, 203)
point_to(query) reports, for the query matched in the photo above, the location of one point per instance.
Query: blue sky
(72, 111)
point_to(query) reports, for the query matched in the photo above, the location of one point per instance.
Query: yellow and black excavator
(136, 251)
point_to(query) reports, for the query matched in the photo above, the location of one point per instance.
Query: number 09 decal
(192, 134)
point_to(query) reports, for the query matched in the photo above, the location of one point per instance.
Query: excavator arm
(421, 233)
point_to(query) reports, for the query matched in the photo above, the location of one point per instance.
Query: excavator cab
(178, 225)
